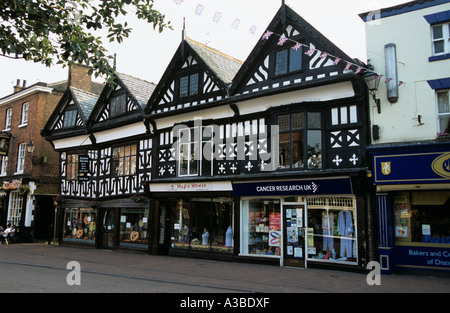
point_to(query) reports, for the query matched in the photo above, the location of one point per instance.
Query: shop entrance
(294, 243)
(109, 228)
(164, 227)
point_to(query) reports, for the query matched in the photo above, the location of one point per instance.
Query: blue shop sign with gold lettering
(411, 168)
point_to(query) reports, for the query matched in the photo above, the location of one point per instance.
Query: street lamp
(373, 80)
(30, 147)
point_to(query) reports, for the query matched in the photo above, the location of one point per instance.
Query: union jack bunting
(358, 69)
(177, 2)
(348, 66)
(378, 77)
(323, 55)
(336, 61)
(267, 34)
(297, 46)
(199, 9)
(310, 52)
(253, 29)
(282, 40)
(388, 80)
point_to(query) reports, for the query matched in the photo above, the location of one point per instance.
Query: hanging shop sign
(412, 168)
(83, 168)
(297, 187)
(4, 143)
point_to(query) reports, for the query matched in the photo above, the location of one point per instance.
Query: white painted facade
(411, 33)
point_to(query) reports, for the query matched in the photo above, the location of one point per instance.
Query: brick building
(29, 172)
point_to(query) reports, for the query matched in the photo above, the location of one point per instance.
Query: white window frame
(4, 166)
(188, 138)
(441, 114)
(445, 37)
(15, 208)
(24, 118)
(21, 158)
(8, 119)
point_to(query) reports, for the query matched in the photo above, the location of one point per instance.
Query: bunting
(350, 66)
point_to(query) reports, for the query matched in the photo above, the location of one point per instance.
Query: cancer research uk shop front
(299, 222)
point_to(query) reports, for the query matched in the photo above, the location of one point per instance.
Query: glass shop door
(294, 243)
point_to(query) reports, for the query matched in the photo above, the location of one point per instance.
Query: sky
(233, 27)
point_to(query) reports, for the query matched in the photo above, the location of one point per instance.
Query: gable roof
(289, 23)
(224, 66)
(219, 68)
(139, 88)
(84, 102)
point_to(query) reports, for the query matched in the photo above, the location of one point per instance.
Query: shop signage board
(412, 168)
(190, 186)
(297, 187)
(423, 257)
(83, 167)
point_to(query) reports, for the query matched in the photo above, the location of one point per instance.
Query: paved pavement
(43, 268)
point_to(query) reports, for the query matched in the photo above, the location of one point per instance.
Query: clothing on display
(327, 227)
(229, 237)
(345, 228)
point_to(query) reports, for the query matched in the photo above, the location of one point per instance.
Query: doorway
(294, 243)
(109, 228)
(164, 227)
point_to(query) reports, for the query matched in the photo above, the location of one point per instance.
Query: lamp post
(373, 81)
(30, 147)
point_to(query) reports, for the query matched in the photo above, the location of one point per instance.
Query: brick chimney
(18, 88)
(79, 77)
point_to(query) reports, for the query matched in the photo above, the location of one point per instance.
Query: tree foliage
(61, 31)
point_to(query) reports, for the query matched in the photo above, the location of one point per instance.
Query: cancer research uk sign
(297, 187)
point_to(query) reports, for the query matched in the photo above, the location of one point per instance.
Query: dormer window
(288, 60)
(70, 117)
(189, 85)
(118, 105)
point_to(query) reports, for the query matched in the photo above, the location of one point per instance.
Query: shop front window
(80, 225)
(202, 224)
(134, 228)
(332, 229)
(261, 227)
(422, 217)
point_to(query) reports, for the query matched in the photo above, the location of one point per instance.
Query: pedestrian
(7, 231)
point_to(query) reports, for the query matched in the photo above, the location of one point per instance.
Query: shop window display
(134, 228)
(261, 227)
(80, 225)
(332, 229)
(422, 217)
(202, 224)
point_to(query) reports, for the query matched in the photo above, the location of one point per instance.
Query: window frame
(440, 114)
(290, 51)
(306, 129)
(124, 163)
(21, 158)
(8, 119)
(118, 108)
(203, 165)
(190, 92)
(24, 114)
(72, 118)
(445, 38)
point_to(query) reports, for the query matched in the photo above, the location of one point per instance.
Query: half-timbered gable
(71, 113)
(291, 54)
(197, 75)
(121, 101)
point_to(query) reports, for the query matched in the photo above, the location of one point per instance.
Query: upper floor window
(24, 120)
(440, 35)
(70, 117)
(288, 60)
(123, 161)
(118, 105)
(189, 85)
(8, 119)
(4, 166)
(72, 166)
(300, 140)
(443, 105)
(194, 151)
(21, 158)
